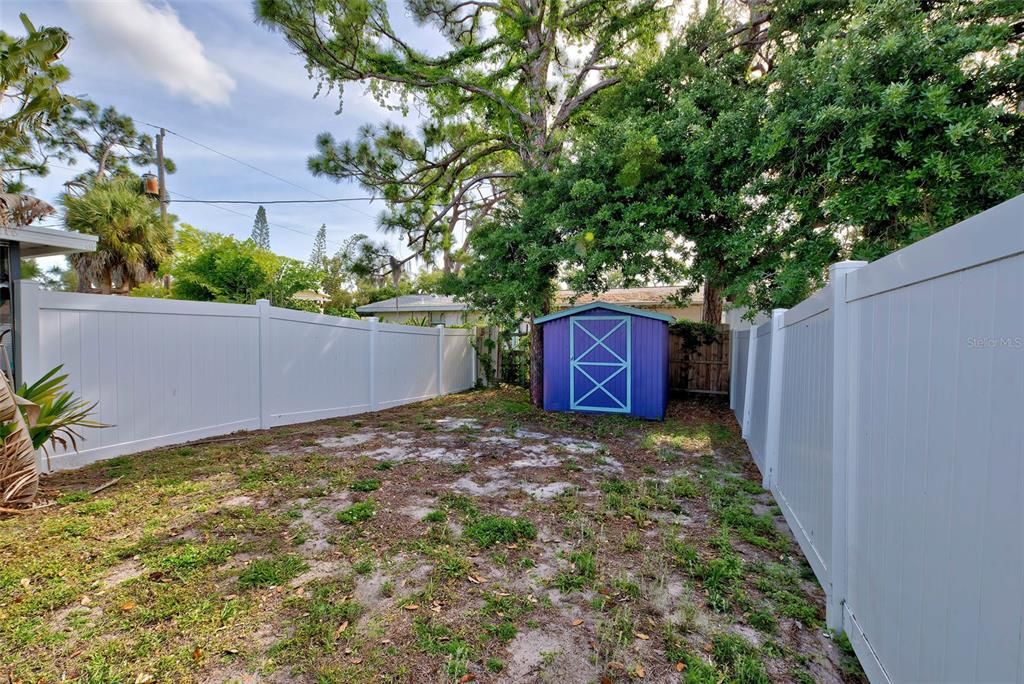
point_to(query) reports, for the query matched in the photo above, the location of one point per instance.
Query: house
(655, 299)
(440, 309)
(21, 241)
(420, 309)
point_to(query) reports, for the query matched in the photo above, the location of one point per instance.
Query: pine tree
(261, 229)
(319, 255)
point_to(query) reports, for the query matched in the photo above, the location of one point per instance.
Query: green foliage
(261, 229)
(582, 572)
(111, 142)
(33, 108)
(695, 333)
(58, 416)
(489, 530)
(133, 240)
(214, 267)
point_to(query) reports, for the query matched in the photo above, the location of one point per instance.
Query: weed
(272, 572)
(358, 512)
(734, 653)
(435, 517)
(184, 559)
(632, 542)
(494, 665)
(384, 465)
(460, 468)
(763, 620)
(363, 567)
(503, 631)
(370, 485)
(73, 497)
(489, 530)
(581, 573)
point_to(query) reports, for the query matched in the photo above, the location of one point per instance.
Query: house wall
(649, 346)
(164, 372)
(448, 318)
(895, 447)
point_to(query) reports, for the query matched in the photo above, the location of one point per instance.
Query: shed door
(600, 375)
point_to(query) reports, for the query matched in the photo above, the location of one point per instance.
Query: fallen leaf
(411, 606)
(577, 622)
(472, 579)
(468, 677)
(680, 666)
(641, 635)
(639, 671)
(613, 665)
(86, 600)
(436, 609)
(197, 654)
(127, 606)
(341, 628)
(385, 642)
(144, 678)
(356, 661)
(25, 581)
(231, 597)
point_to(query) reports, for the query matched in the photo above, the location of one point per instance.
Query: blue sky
(205, 70)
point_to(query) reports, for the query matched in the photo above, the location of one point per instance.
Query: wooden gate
(700, 368)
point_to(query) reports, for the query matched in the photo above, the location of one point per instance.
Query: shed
(604, 358)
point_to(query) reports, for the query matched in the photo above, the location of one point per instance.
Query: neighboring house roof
(627, 296)
(412, 303)
(629, 310)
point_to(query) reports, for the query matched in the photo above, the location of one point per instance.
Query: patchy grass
(559, 547)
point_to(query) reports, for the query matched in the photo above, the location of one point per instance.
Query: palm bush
(133, 240)
(44, 414)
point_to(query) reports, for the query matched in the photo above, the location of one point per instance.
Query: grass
(489, 530)
(272, 572)
(358, 512)
(238, 557)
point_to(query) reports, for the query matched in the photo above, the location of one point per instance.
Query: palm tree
(133, 241)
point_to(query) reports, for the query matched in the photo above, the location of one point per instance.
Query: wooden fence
(703, 368)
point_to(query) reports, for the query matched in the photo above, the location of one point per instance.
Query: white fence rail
(894, 444)
(165, 372)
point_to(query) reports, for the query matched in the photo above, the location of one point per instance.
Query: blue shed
(603, 358)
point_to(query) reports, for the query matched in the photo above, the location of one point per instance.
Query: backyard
(468, 538)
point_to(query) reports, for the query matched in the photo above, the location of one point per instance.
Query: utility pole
(160, 173)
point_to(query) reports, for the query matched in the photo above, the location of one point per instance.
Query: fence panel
(900, 458)
(740, 350)
(163, 372)
(802, 481)
(407, 364)
(936, 481)
(317, 367)
(759, 397)
(459, 360)
(703, 368)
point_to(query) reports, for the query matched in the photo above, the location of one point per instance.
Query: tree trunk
(712, 312)
(537, 359)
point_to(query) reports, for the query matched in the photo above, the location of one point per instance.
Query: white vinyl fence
(894, 444)
(165, 372)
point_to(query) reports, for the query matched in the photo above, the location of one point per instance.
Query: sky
(205, 70)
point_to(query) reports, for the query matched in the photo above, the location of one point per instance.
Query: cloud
(153, 40)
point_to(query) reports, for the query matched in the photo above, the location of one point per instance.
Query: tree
(885, 122)
(214, 267)
(500, 101)
(133, 240)
(110, 140)
(318, 257)
(261, 229)
(34, 109)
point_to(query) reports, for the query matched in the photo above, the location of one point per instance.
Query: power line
(238, 213)
(316, 201)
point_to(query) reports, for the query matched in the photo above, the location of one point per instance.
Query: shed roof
(628, 310)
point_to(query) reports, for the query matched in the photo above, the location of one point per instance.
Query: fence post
(472, 355)
(27, 366)
(842, 367)
(748, 389)
(372, 362)
(775, 372)
(263, 310)
(440, 359)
